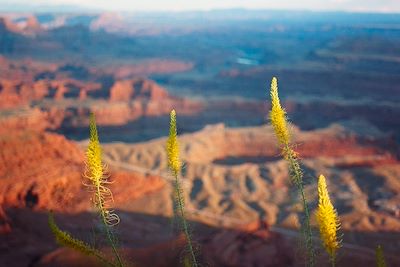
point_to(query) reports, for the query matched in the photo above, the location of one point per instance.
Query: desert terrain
(339, 82)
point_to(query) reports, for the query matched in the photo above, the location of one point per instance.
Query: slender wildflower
(173, 146)
(328, 220)
(279, 122)
(380, 258)
(174, 164)
(65, 239)
(95, 173)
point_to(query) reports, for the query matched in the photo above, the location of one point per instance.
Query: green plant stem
(297, 176)
(333, 261)
(109, 234)
(184, 222)
(104, 260)
(308, 233)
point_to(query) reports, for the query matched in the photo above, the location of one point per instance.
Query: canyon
(340, 93)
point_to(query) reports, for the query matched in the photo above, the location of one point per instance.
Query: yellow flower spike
(93, 154)
(327, 219)
(173, 146)
(277, 115)
(95, 172)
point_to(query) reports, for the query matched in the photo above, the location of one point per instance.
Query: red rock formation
(6, 26)
(128, 187)
(150, 89)
(121, 91)
(39, 170)
(42, 171)
(108, 21)
(32, 24)
(126, 90)
(26, 118)
(128, 99)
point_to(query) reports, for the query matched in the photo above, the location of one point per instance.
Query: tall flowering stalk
(277, 117)
(328, 220)
(98, 182)
(96, 174)
(174, 164)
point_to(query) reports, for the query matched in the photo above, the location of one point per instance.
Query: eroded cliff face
(37, 167)
(42, 171)
(61, 96)
(237, 175)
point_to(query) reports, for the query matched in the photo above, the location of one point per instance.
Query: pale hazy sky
(140, 5)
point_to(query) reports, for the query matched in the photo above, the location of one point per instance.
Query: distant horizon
(83, 10)
(59, 6)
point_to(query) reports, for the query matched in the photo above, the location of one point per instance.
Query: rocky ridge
(237, 175)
